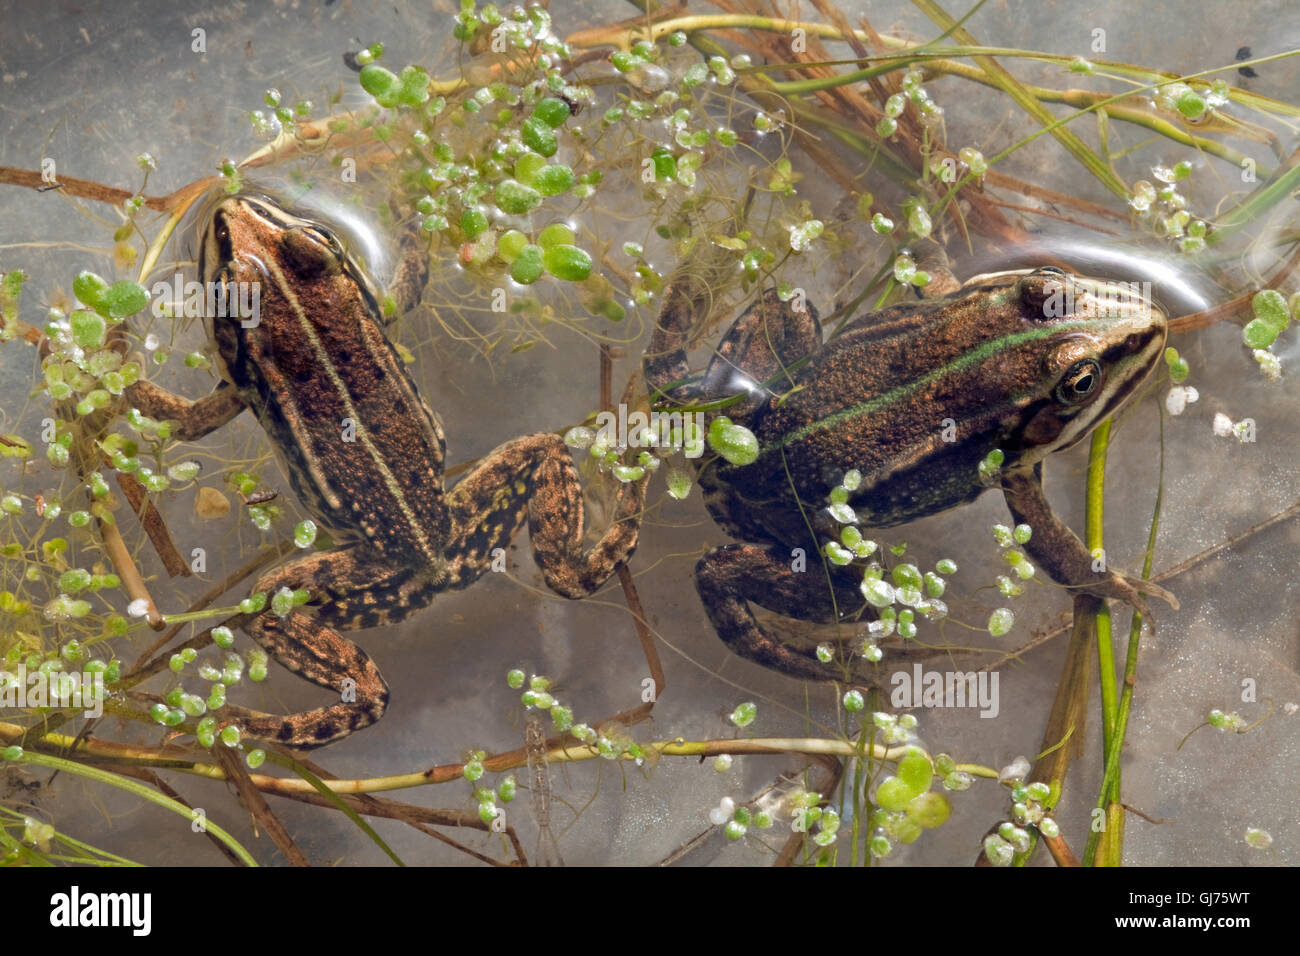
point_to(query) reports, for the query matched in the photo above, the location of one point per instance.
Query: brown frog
(365, 454)
(912, 399)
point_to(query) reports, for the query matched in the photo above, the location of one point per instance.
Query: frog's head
(281, 276)
(1095, 341)
(295, 265)
(250, 238)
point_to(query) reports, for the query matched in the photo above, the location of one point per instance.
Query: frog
(365, 455)
(905, 403)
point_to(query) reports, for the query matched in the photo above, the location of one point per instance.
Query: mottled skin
(913, 397)
(365, 455)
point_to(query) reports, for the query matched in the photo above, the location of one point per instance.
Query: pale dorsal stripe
(394, 489)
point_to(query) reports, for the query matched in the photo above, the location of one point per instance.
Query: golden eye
(1079, 383)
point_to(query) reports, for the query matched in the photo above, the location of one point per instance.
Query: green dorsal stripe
(973, 357)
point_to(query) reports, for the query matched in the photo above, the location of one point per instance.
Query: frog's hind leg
(350, 589)
(533, 477)
(729, 578)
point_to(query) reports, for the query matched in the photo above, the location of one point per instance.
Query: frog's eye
(320, 236)
(336, 248)
(1079, 383)
(330, 240)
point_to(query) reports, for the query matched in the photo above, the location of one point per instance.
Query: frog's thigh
(354, 592)
(534, 476)
(730, 577)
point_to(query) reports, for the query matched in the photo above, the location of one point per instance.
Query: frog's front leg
(533, 477)
(755, 356)
(731, 577)
(761, 345)
(1059, 551)
(411, 273)
(931, 257)
(350, 588)
(194, 417)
